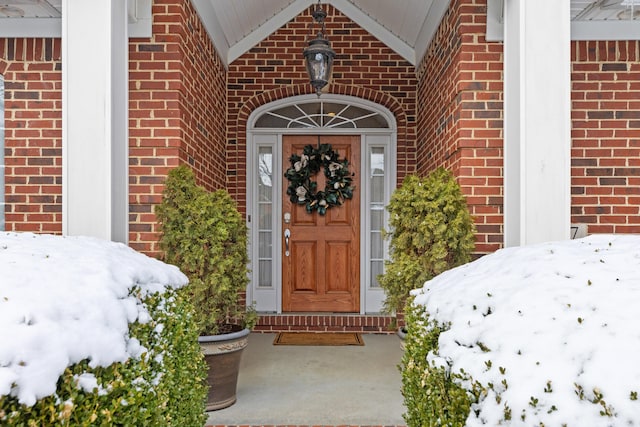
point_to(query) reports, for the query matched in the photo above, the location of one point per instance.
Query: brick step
(287, 425)
(329, 322)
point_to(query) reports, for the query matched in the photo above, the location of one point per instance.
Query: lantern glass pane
(317, 66)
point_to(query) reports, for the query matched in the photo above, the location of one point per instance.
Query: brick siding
(177, 113)
(460, 107)
(33, 134)
(460, 95)
(605, 154)
(185, 107)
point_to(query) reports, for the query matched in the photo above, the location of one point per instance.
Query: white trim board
(580, 30)
(139, 26)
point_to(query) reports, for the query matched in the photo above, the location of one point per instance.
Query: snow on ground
(556, 318)
(65, 299)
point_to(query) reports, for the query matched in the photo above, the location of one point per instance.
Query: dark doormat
(318, 338)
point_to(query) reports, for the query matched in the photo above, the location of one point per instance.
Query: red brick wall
(605, 153)
(33, 135)
(460, 106)
(460, 114)
(274, 69)
(177, 113)
(181, 98)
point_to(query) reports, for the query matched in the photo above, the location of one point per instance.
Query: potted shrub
(431, 231)
(206, 237)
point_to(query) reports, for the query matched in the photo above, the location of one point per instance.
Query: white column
(537, 121)
(95, 118)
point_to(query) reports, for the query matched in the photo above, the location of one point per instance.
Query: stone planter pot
(222, 354)
(402, 333)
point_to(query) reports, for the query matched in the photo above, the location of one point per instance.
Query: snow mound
(65, 299)
(558, 322)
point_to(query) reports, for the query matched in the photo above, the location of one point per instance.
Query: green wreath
(303, 191)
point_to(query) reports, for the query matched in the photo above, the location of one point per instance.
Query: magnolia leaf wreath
(303, 190)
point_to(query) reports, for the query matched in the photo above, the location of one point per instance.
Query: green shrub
(431, 231)
(431, 394)
(164, 387)
(206, 237)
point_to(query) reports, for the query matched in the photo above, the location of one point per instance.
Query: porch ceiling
(235, 26)
(406, 26)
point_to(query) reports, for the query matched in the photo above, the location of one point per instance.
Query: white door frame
(269, 299)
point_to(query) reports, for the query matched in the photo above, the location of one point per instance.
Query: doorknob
(287, 234)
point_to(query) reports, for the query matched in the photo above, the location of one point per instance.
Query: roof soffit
(43, 18)
(590, 20)
(405, 26)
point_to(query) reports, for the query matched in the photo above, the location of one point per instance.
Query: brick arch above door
(378, 97)
(237, 129)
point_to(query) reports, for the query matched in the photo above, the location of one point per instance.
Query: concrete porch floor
(302, 385)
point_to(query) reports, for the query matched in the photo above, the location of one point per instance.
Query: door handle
(287, 235)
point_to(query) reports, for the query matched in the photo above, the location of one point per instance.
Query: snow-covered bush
(542, 335)
(94, 333)
(432, 394)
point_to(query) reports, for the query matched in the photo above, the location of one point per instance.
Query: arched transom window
(321, 114)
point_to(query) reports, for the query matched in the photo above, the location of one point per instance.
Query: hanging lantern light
(318, 55)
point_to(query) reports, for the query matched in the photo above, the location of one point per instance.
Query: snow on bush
(548, 333)
(65, 300)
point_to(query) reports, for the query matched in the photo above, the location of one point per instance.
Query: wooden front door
(321, 257)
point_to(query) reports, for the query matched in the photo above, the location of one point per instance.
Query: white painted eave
(376, 29)
(268, 28)
(207, 14)
(230, 52)
(388, 31)
(593, 29)
(436, 12)
(140, 20)
(31, 27)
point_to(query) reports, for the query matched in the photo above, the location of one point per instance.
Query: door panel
(305, 270)
(338, 258)
(321, 271)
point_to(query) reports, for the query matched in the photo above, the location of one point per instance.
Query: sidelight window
(377, 200)
(265, 216)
